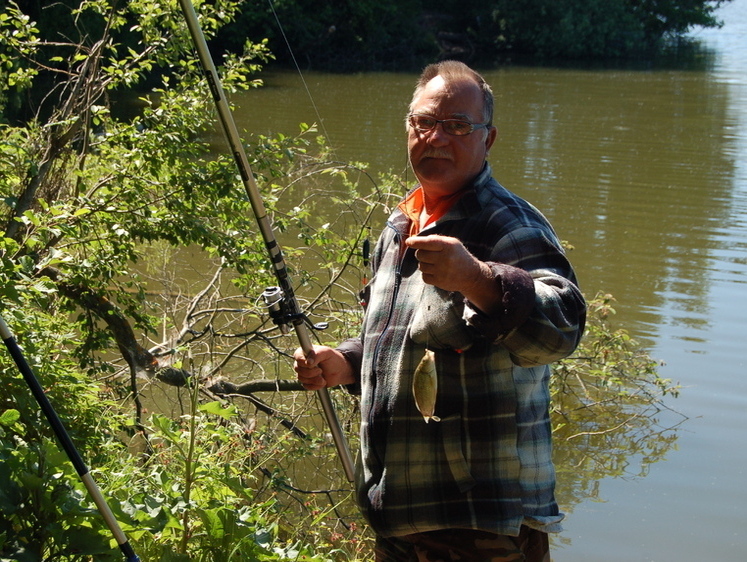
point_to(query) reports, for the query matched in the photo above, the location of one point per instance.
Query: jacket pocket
(438, 323)
(451, 431)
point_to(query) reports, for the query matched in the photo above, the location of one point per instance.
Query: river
(644, 171)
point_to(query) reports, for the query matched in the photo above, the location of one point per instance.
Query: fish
(425, 386)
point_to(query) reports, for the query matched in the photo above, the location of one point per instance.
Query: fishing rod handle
(343, 451)
(330, 414)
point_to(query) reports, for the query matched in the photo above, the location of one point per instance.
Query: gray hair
(452, 70)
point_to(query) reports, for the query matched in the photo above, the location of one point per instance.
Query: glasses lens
(456, 127)
(422, 122)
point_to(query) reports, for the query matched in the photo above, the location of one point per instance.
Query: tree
(355, 35)
(94, 206)
(338, 35)
(595, 29)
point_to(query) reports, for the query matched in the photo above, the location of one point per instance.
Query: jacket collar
(468, 205)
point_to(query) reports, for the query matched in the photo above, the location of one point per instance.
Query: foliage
(595, 28)
(569, 28)
(84, 191)
(194, 498)
(41, 497)
(365, 34)
(98, 209)
(339, 35)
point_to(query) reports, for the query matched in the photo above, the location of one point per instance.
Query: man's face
(445, 163)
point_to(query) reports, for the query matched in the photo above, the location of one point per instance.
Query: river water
(644, 171)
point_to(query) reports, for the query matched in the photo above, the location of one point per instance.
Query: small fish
(425, 386)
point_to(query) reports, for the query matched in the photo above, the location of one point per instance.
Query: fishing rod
(67, 444)
(280, 300)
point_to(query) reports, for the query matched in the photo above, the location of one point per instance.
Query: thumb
(304, 359)
(311, 358)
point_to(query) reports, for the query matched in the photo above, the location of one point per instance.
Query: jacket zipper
(374, 359)
(395, 293)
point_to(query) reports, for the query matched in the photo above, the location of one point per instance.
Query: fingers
(322, 367)
(444, 261)
(434, 248)
(308, 372)
(431, 251)
(432, 243)
(311, 379)
(306, 360)
(316, 382)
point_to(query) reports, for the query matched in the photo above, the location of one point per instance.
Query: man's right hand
(323, 367)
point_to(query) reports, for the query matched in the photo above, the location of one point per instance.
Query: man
(476, 274)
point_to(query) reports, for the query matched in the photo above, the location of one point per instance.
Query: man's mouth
(439, 154)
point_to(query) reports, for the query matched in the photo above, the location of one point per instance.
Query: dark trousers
(464, 545)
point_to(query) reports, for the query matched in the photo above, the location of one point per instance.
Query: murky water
(645, 172)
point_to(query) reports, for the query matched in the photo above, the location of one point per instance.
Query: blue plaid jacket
(487, 464)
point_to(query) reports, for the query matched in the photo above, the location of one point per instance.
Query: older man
(475, 275)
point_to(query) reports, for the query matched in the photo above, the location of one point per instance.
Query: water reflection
(631, 172)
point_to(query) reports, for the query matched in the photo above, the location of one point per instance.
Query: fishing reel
(282, 313)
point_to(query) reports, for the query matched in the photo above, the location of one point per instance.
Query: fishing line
(366, 250)
(309, 94)
(281, 300)
(300, 74)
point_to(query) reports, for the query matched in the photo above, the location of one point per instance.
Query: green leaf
(217, 409)
(9, 417)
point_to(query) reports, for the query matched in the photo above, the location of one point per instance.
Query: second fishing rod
(281, 300)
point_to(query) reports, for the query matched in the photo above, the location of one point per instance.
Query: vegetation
(393, 34)
(130, 268)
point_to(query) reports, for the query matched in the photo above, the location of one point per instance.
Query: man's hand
(323, 367)
(445, 263)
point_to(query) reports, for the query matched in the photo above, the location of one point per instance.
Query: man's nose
(438, 136)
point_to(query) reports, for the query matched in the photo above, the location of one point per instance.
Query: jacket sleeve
(352, 350)
(544, 312)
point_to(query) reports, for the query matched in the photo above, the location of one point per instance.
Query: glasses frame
(473, 126)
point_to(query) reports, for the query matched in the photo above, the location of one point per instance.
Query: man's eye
(458, 126)
(425, 123)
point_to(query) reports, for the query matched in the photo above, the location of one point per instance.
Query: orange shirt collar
(414, 204)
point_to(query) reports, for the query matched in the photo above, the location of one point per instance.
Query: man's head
(443, 160)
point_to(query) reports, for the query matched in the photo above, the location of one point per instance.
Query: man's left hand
(447, 264)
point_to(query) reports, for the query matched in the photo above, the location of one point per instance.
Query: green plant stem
(189, 471)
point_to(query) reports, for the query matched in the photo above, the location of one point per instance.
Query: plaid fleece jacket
(487, 464)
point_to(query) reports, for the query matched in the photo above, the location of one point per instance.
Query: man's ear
(490, 139)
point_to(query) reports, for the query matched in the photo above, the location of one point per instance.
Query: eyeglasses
(456, 127)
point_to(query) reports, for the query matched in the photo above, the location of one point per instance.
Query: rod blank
(273, 248)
